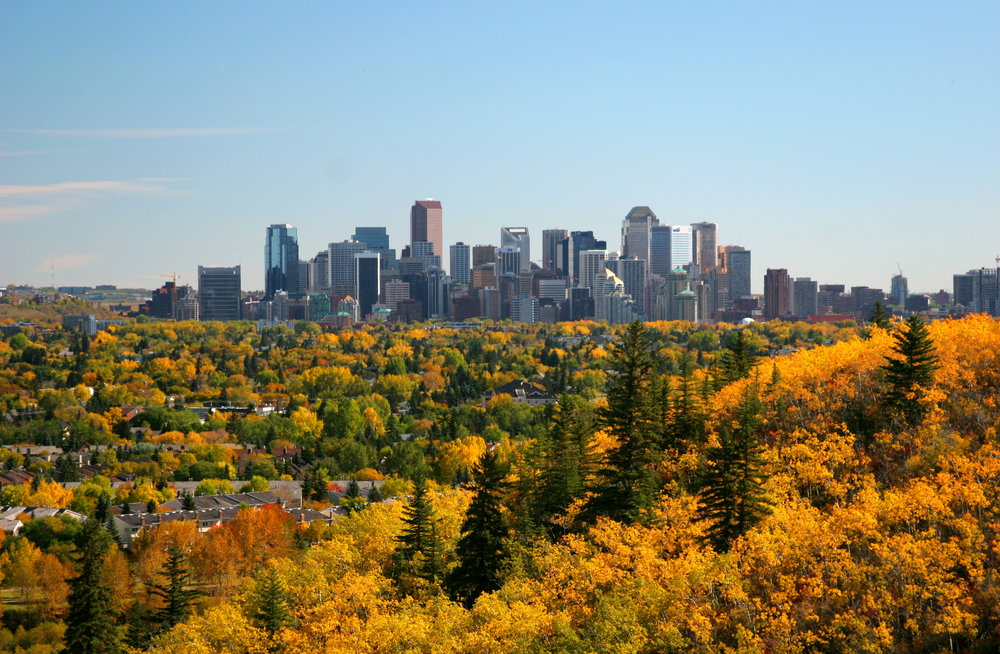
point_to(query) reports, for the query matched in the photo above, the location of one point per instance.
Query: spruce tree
(481, 549)
(271, 612)
(738, 358)
(419, 535)
(375, 494)
(732, 497)
(562, 470)
(880, 317)
(177, 600)
(912, 372)
(187, 502)
(91, 622)
(629, 484)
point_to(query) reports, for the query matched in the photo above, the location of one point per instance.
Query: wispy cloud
(129, 133)
(20, 202)
(68, 261)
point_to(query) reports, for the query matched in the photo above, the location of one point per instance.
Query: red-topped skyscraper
(425, 224)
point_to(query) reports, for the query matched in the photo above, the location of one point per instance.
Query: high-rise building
(425, 224)
(632, 272)
(219, 291)
(591, 263)
(377, 240)
(680, 246)
(460, 261)
(703, 248)
(899, 289)
(576, 243)
(736, 261)
(319, 272)
(396, 290)
(367, 270)
(483, 254)
(659, 250)
(341, 264)
(777, 293)
(281, 260)
(636, 232)
(550, 247)
(804, 297)
(508, 261)
(517, 237)
(524, 308)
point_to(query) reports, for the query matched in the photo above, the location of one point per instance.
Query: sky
(837, 140)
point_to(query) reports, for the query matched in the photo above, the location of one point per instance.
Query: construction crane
(175, 277)
(900, 269)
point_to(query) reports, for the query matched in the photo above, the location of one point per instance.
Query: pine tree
(271, 612)
(481, 549)
(419, 534)
(353, 500)
(880, 317)
(90, 623)
(103, 508)
(562, 470)
(629, 485)
(732, 497)
(177, 600)
(187, 502)
(375, 494)
(738, 358)
(151, 506)
(913, 372)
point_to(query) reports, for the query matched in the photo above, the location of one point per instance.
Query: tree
(563, 469)
(177, 600)
(481, 549)
(419, 535)
(738, 358)
(353, 500)
(90, 624)
(628, 484)
(732, 498)
(271, 610)
(187, 502)
(374, 494)
(880, 317)
(913, 372)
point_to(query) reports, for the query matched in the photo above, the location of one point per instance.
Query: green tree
(732, 498)
(91, 622)
(419, 535)
(353, 500)
(912, 372)
(481, 549)
(628, 483)
(271, 611)
(187, 502)
(738, 358)
(880, 317)
(563, 469)
(375, 494)
(178, 600)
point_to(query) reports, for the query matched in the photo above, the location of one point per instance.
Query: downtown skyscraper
(281, 260)
(425, 224)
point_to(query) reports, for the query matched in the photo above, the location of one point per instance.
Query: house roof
(521, 388)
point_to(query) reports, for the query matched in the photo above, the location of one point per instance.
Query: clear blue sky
(832, 139)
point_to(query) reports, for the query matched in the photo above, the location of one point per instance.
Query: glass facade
(281, 260)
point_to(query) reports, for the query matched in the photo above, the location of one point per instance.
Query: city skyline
(832, 141)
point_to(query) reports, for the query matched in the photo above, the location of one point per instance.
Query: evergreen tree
(562, 470)
(481, 549)
(880, 317)
(629, 483)
(271, 612)
(732, 497)
(151, 506)
(103, 508)
(187, 502)
(913, 372)
(112, 529)
(126, 507)
(177, 600)
(375, 494)
(419, 534)
(687, 421)
(90, 623)
(138, 632)
(353, 500)
(738, 358)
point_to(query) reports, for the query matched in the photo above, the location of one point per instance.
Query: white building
(461, 263)
(591, 264)
(517, 237)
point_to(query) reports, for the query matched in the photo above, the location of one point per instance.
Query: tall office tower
(899, 289)
(979, 290)
(680, 246)
(591, 263)
(517, 237)
(636, 232)
(367, 270)
(319, 272)
(484, 276)
(659, 250)
(303, 277)
(604, 284)
(554, 289)
(425, 250)
(219, 293)
(736, 261)
(396, 290)
(962, 289)
(508, 261)
(483, 254)
(460, 258)
(509, 286)
(524, 308)
(703, 239)
(377, 240)
(425, 224)
(341, 265)
(576, 243)
(777, 293)
(804, 297)
(281, 260)
(550, 247)
(632, 272)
